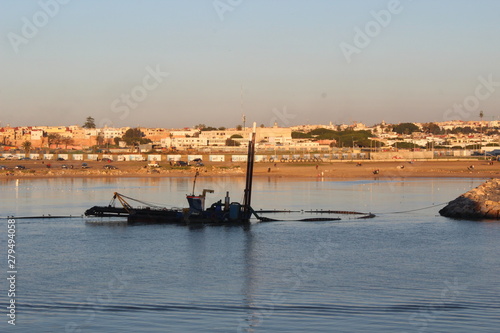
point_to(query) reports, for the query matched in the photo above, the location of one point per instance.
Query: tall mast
(250, 159)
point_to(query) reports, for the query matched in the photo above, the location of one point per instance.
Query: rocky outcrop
(480, 202)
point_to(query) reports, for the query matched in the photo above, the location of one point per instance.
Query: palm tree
(27, 147)
(58, 140)
(66, 140)
(53, 138)
(481, 114)
(99, 139)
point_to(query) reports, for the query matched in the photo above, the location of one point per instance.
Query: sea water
(406, 270)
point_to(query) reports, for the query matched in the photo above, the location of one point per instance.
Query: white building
(183, 142)
(111, 133)
(36, 134)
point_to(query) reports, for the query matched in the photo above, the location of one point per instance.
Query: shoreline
(290, 171)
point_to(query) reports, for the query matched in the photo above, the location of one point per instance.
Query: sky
(178, 63)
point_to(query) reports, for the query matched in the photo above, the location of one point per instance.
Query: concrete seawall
(408, 155)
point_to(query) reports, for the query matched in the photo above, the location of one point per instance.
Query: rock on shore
(480, 202)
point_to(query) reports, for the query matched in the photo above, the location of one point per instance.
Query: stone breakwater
(480, 202)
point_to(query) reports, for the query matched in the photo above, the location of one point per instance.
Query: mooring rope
(413, 210)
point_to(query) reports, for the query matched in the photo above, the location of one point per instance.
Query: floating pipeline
(312, 219)
(48, 216)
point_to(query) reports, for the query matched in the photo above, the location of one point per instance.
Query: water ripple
(302, 309)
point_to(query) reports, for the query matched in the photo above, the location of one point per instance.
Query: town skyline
(450, 134)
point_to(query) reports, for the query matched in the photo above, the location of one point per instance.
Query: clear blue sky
(286, 55)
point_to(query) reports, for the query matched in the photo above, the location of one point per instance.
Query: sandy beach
(330, 170)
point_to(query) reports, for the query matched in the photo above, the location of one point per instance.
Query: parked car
(85, 166)
(20, 167)
(181, 163)
(109, 167)
(153, 165)
(495, 152)
(107, 160)
(60, 159)
(3, 167)
(197, 162)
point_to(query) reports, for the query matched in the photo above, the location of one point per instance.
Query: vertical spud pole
(248, 186)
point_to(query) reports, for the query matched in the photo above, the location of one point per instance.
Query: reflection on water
(410, 272)
(71, 196)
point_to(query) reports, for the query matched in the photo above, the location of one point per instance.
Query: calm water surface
(406, 270)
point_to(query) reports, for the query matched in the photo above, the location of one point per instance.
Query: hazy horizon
(175, 64)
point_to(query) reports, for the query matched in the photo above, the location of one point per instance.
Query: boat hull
(167, 216)
(150, 216)
(106, 211)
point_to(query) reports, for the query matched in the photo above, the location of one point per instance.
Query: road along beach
(305, 170)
